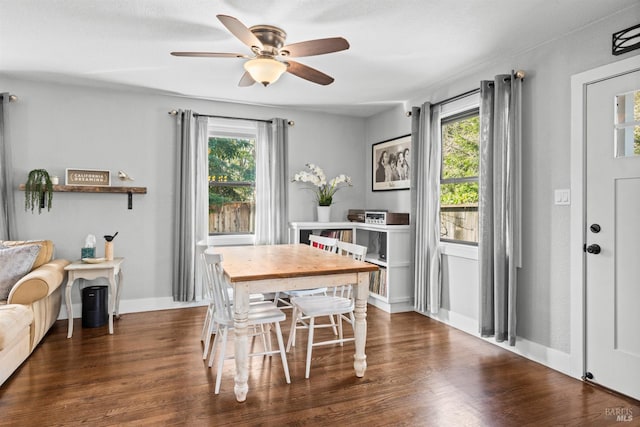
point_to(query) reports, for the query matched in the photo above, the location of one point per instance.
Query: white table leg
(118, 293)
(240, 320)
(70, 280)
(112, 299)
(360, 312)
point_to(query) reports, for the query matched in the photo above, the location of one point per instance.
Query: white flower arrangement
(323, 191)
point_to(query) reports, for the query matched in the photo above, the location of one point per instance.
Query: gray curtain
(7, 214)
(191, 202)
(425, 206)
(271, 183)
(499, 205)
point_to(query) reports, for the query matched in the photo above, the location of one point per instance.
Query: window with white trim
(232, 175)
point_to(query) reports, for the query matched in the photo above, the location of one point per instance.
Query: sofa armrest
(39, 283)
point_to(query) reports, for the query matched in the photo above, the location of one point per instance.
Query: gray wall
(543, 290)
(55, 126)
(382, 127)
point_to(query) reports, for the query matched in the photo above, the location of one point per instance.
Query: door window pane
(627, 124)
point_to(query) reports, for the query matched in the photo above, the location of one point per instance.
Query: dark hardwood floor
(421, 373)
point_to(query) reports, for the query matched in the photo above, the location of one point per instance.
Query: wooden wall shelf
(95, 189)
(130, 191)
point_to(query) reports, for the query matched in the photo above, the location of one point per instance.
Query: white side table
(108, 269)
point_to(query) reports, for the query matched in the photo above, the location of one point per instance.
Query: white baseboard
(546, 356)
(395, 307)
(137, 305)
(549, 357)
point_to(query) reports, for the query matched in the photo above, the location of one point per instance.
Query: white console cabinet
(395, 293)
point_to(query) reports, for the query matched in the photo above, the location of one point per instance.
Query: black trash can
(94, 306)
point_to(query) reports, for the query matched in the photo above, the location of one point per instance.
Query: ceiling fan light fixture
(270, 53)
(265, 70)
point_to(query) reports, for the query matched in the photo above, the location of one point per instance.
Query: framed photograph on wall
(391, 164)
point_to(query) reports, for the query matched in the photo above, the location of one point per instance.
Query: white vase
(324, 213)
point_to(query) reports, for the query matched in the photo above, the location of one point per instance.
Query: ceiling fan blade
(240, 30)
(246, 80)
(210, 54)
(315, 47)
(308, 73)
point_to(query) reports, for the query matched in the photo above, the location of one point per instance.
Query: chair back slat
(357, 252)
(218, 287)
(324, 243)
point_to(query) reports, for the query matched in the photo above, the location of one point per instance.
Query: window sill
(231, 240)
(459, 250)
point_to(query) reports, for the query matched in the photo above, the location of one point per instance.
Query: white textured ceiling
(398, 47)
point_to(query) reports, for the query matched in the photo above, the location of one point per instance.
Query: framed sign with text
(93, 177)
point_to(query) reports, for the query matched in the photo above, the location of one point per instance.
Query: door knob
(594, 249)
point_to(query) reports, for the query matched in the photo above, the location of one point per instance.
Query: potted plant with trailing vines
(38, 191)
(323, 190)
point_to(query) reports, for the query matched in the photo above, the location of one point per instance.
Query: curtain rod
(451, 99)
(289, 122)
(174, 112)
(518, 74)
(12, 98)
(455, 98)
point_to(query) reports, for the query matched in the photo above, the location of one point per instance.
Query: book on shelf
(378, 282)
(342, 235)
(304, 236)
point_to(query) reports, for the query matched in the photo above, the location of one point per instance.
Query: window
(232, 172)
(459, 177)
(627, 124)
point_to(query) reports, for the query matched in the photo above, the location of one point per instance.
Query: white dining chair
(339, 303)
(261, 315)
(209, 325)
(323, 243)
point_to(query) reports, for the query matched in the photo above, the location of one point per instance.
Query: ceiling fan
(270, 57)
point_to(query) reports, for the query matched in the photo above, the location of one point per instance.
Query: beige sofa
(40, 291)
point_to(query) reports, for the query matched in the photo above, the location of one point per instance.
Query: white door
(613, 233)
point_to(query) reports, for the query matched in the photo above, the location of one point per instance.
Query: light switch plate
(562, 196)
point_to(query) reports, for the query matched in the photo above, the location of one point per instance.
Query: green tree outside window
(232, 170)
(460, 159)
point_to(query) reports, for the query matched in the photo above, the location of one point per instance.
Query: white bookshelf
(396, 295)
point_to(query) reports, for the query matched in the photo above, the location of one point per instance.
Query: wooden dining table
(273, 268)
